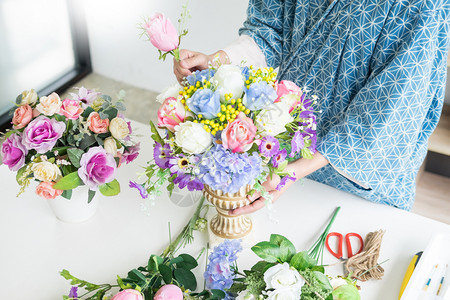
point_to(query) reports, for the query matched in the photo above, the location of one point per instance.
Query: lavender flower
(140, 188)
(278, 158)
(297, 143)
(269, 146)
(186, 180)
(73, 294)
(218, 274)
(161, 155)
(85, 96)
(284, 181)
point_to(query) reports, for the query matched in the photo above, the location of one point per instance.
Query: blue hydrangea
(223, 170)
(205, 102)
(199, 76)
(219, 274)
(259, 95)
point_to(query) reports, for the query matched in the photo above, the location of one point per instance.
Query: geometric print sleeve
(265, 25)
(391, 117)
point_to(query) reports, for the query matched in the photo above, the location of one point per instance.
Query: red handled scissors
(340, 238)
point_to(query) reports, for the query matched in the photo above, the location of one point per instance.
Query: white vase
(77, 209)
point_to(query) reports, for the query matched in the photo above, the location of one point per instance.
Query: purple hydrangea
(14, 152)
(140, 188)
(223, 170)
(42, 133)
(278, 158)
(269, 146)
(259, 95)
(97, 167)
(131, 153)
(161, 155)
(218, 274)
(283, 182)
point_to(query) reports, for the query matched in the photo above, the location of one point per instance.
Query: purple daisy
(178, 164)
(182, 180)
(269, 146)
(278, 158)
(140, 188)
(87, 97)
(195, 185)
(161, 155)
(297, 143)
(284, 181)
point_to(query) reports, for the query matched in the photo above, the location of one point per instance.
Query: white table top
(35, 246)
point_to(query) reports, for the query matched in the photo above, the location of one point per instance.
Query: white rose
(273, 119)
(110, 146)
(229, 79)
(192, 137)
(49, 105)
(282, 276)
(29, 97)
(283, 294)
(119, 128)
(46, 171)
(171, 91)
(245, 295)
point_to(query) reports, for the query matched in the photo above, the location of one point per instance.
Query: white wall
(119, 53)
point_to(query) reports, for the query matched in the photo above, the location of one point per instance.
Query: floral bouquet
(229, 127)
(66, 143)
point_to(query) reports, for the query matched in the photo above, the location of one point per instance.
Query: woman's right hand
(189, 62)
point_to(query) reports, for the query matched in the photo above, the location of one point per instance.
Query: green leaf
(78, 282)
(120, 106)
(188, 262)
(176, 260)
(261, 266)
(155, 136)
(323, 279)
(153, 263)
(186, 278)
(306, 153)
(87, 112)
(68, 182)
(217, 294)
(20, 174)
(88, 140)
(110, 189)
(75, 156)
(91, 195)
(67, 194)
(136, 275)
(267, 251)
(166, 273)
(19, 99)
(111, 112)
(106, 98)
(302, 261)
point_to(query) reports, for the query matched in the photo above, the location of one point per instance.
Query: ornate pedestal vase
(77, 209)
(223, 225)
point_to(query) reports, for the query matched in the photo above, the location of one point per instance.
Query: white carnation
(192, 137)
(229, 80)
(283, 279)
(273, 119)
(170, 91)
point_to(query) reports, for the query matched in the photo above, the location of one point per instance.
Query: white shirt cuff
(245, 50)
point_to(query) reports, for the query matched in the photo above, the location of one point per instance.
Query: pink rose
(97, 124)
(46, 190)
(171, 113)
(162, 33)
(169, 292)
(128, 295)
(238, 136)
(22, 116)
(289, 92)
(71, 109)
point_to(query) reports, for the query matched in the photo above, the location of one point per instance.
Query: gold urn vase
(222, 224)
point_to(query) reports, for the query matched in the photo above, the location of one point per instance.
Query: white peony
(273, 119)
(245, 295)
(229, 79)
(49, 105)
(110, 146)
(46, 171)
(192, 137)
(119, 128)
(283, 277)
(29, 97)
(170, 91)
(283, 294)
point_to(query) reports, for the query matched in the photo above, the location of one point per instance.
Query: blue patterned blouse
(379, 70)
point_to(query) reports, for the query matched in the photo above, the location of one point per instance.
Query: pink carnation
(238, 136)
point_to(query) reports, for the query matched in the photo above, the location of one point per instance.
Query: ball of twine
(364, 266)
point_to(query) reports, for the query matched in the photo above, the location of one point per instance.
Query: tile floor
(433, 191)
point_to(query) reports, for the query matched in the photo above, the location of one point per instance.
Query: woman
(379, 70)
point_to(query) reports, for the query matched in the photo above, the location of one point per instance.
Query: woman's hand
(191, 61)
(257, 201)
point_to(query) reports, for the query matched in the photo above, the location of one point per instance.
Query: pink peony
(46, 190)
(169, 292)
(97, 124)
(128, 295)
(238, 136)
(289, 92)
(14, 152)
(71, 109)
(97, 167)
(171, 113)
(22, 116)
(162, 33)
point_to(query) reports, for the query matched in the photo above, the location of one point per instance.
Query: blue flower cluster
(223, 170)
(218, 274)
(199, 76)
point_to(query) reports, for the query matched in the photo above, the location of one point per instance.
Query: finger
(184, 53)
(254, 196)
(254, 206)
(180, 73)
(197, 61)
